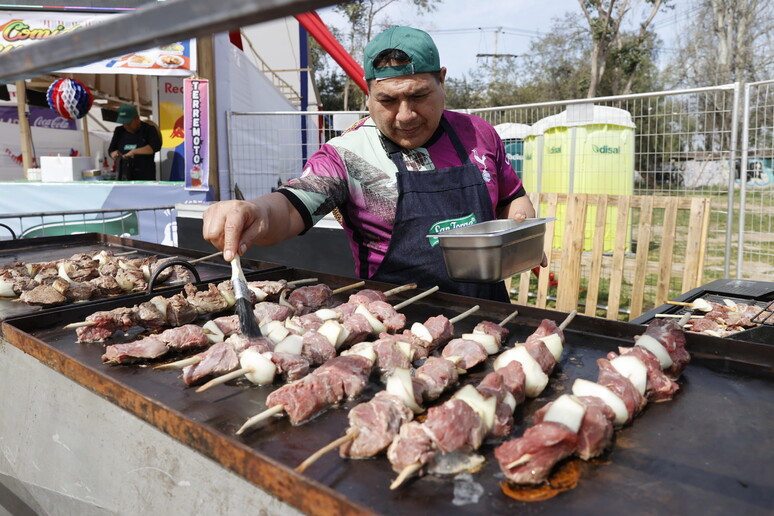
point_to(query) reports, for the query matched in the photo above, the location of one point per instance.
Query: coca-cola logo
(52, 123)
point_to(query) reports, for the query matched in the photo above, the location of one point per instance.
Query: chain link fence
(692, 142)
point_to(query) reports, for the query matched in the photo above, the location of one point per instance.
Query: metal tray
(708, 451)
(492, 251)
(54, 248)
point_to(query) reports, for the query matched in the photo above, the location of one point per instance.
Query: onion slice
(484, 406)
(261, 369)
(489, 342)
(583, 387)
(554, 344)
(632, 369)
(292, 344)
(655, 347)
(399, 384)
(567, 410)
(536, 379)
(377, 326)
(364, 349)
(422, 332)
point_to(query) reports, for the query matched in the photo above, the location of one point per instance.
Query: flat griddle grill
(757, 293)
(708, 451)
(54, 248)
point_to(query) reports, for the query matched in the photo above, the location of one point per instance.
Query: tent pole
(24, 126)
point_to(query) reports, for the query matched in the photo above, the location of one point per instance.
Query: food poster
(22, 28)
(172, 59)
(196, 128)
(172, 129)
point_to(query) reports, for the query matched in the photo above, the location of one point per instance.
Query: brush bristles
(247, 322)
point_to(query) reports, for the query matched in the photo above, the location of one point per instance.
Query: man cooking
(408, 167)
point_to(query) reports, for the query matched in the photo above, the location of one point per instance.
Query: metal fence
(682, 142)
(154, 224)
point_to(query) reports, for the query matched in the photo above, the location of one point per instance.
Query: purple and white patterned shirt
(354, 173)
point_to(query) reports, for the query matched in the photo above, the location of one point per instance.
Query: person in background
(408, 170)
(134, 144)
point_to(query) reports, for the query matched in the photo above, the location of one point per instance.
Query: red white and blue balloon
(70, 98)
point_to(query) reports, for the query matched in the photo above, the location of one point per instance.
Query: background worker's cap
(126, 114)
(417, 44)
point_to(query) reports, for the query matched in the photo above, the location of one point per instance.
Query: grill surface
(758, 293)
(708, 451)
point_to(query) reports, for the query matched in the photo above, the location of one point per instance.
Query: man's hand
(233, 226)
(519, 210)
(115, 154)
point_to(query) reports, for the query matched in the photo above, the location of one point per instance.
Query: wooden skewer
(416, 298)
(508, 319)
(350, 436)
(348, 287)
(233, 375)
(405, 473)
(204, 258)
(302, 281)
(126, 253)
(679, 303)
(677, 316)
(266, 414)
(568, 320)
(464, 314)
(80, 324)
(180, 364)
(397, 290)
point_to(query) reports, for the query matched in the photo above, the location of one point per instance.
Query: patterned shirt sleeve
(321, 187)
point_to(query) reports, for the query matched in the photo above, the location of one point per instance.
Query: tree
(605, 19)
(725, 41)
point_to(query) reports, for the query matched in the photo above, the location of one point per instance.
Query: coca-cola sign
(39, 117)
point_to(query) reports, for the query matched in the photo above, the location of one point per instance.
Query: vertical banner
(196, 115)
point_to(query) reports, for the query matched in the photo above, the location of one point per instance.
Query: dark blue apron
(426, 198)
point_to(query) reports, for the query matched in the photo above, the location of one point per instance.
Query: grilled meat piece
(530, 458)
(377, 423)
(308, 299)
(43, 295)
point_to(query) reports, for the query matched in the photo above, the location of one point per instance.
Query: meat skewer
(253, 364)
(101, 325)
(461, 424)
(328, 385)
(583, 422)
(309, 299)
(319, 337)
(383, 415)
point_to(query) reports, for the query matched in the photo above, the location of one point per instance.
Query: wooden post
(24, 126)
(136, 93)
(205, 58)
(86, 142)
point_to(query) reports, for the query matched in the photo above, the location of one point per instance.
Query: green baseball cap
(417, 44)
(126, 114)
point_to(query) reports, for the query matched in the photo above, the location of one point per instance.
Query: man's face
(407, 109)
(133, 125)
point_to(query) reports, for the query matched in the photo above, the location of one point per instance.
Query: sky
(462, 29)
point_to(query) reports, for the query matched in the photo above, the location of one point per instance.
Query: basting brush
(244, 308)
